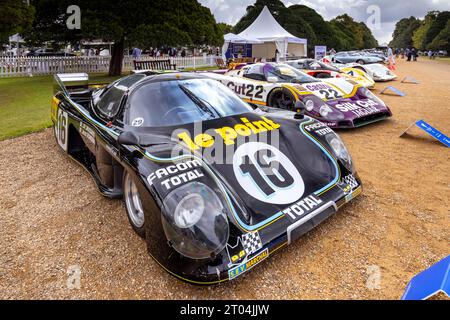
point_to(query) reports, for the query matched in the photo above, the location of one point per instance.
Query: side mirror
(272, 79)
(300, 110)
(128, 139)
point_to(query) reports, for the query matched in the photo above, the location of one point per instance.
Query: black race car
(212, 185)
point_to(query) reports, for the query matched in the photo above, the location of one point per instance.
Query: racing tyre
(133, 205)
(282, 99)
(360, 62)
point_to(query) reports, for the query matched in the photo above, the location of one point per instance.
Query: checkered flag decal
(351, 181)
(251, 243)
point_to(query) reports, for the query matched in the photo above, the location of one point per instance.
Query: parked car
(150, 138)
(336, 102)
(356, 57)
(322, 70)
(48, 52)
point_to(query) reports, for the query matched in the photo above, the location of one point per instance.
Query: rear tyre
(133, 205)
(360, 62)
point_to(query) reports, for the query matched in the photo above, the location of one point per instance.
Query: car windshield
(173, 103)
(286, 73)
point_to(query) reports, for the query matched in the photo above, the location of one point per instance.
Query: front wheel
(133, 205)
(282, 99)
(360, 62)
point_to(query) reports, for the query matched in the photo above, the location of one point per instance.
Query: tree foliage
(403, 33)
(430, 33)
(15, 17)
(142, 23)
(421, 32)
(442, 40)
(342, 33)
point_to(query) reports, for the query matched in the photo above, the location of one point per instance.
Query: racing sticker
(175, 175)
(267, 174)
(359, 108)
(138, 122)
(247, 244)
(239, 270)
(324, 91)
(303, 207)
(62, 129)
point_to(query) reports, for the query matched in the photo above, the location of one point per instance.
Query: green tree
(436, 27)
(128, 22)
(16, 16)
(421, 32)
(403, 33)
(442, 40)
(225, 28)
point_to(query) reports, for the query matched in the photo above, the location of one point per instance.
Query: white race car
(337, 102)
(378, 72)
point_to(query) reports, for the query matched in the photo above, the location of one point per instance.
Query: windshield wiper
(198, 102)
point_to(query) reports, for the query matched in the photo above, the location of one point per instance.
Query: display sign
(430, 282)
(320, 52)
(433, 132)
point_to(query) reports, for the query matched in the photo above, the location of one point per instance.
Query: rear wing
(70, 82)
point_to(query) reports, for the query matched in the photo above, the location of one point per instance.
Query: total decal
(177, 174)
(360, 108)
(245, 254)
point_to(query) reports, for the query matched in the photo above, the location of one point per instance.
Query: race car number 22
(267, 174)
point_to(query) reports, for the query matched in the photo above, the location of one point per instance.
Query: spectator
(430, 54)
(136, 53)
(332, 52)
(277, 54)
(183, 53)
(414, 54)
(408, 54)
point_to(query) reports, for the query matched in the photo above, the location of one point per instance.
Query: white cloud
(230, 11)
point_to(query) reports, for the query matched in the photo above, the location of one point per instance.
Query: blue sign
(430, 282)
(395, 90)
(433, 132)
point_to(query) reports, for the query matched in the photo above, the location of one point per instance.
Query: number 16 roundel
(267, 174)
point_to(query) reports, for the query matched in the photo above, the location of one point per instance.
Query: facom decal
(267, 174)
(177, 174)
(303, 207)
(229, 134)
(239, 270)
(319, 128)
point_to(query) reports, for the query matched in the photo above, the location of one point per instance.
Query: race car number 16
(267, 174)
(61, 129)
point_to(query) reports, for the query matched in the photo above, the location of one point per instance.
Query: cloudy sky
(230, 11)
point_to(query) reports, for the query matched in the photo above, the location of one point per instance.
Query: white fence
(39, 66)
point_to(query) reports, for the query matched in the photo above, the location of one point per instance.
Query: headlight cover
(340, 151)
(195, 222)
(330, 113)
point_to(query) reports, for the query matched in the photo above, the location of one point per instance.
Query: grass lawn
(25, 104)
(444, 59)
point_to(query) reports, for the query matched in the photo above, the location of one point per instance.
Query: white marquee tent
(272, 36)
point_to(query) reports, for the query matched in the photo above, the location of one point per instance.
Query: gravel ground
(52, 218)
